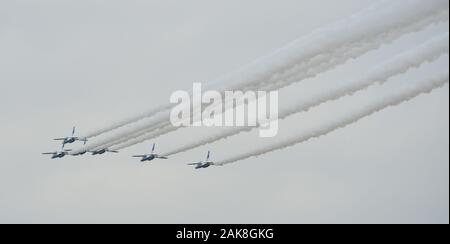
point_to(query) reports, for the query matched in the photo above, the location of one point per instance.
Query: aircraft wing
(59, 139)
(49, 153)
(138, 156)
(193, 164)
(163, 157)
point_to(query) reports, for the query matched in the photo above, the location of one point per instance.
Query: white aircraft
(79, 154)
(203, 164)
(149, 157)
(59, 154)
(71, 139)
(102, 151)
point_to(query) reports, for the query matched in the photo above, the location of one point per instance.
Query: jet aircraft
(203, 164)
(150, 157)
(71, 139)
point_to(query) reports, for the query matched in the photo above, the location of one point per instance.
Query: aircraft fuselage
(80, 153)
(99, 152)
(148, 158)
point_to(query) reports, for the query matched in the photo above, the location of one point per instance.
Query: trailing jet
(71, 139)
(59, 154)
(203, 164)
(102, 151)
(150, 157)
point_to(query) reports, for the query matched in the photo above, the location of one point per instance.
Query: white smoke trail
(427, 52)
(435, 47)
(384, 101)
(129, 120)
(392, 19)
(145, 137)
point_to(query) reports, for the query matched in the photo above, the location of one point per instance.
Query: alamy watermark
(226, 109)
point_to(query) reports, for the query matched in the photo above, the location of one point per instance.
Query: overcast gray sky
(88, 63)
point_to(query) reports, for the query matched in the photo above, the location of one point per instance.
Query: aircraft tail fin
(207, 157)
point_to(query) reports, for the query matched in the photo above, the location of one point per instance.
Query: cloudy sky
(89, 63)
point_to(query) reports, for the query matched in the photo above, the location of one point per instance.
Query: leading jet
(150, 157)
(71, 139)
(203, 164)
(59, 154)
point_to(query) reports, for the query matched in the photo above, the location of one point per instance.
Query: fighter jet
(59, 154)
(203, 164)
(150, 157)
(102, 151)
(71, 139)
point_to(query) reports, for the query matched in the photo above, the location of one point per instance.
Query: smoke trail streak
(428, 51)
(384, 101)
(364, 25)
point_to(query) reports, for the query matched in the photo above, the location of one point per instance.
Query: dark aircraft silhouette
(150, 157)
